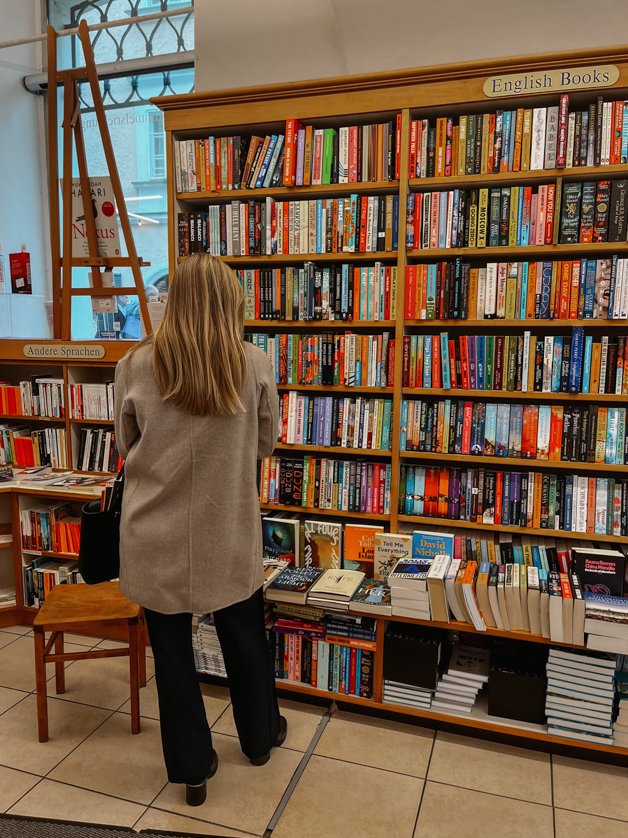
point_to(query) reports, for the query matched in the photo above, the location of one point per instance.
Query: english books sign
(548, 81)
(104, 208)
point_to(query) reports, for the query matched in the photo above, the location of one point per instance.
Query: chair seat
(72, 604)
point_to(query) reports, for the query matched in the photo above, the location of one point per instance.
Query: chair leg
(59, 665)
(40, 678)
(134, 676)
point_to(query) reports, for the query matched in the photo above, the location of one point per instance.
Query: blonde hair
(198, 349)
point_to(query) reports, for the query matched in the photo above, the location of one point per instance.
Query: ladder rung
(104, 262)
(108, 291)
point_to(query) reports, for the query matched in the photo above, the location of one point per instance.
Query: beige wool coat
(190, 535)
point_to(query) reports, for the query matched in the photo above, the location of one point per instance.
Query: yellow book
(511, 290)
(526, 140)
(600, 439)
(491, 550)
(484, 146)
(455, 138)
(553, 287)
(531, 361)
(516, 167)
(482, 218)
(514, 215)
(527, 551)
(473, 218)
(596, 358)
(473, 294)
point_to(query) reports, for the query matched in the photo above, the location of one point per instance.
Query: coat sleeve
(267, 411)
(127, 431)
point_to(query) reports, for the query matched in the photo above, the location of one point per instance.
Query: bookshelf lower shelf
(447, 522)
(532, 464)
(313, 510)
(477, 719)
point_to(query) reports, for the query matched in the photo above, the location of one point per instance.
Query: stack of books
(466, 674)
(334, 589)
(407, 695)
(408, 588)
(372, 596)
(606, 623)
(207, 652)
(580, 695)
(411, 659)
(621, 721)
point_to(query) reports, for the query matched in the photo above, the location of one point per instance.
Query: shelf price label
(548, 81)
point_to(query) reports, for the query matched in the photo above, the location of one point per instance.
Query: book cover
(359, 547)
(280, 538)
(336, 584)
(599, 571)
(323, 544)
(372, 595)
(389, 548)
(105, 218)
(426, 545)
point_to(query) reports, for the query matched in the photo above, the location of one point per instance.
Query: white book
(571, 136)
(534, 600)
(613, 645)
(594, 675)
(581, 488)
(554, 704)
(622, 266)
(581, 660)
(452, 599)
(446, 705)
(606, 133)
(481, 296)
(490, 302)
(343, 155)
(548, 355)
(493, 598)
(526, 362)
(539, 120)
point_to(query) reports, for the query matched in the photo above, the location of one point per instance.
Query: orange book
(596, 356)
(575, 290)
(538, 488)
(591, 504)
(431, 492)
(356, 293)
(516, 164)
(200, 164)
(443, 493)
(556, 432)
(436, 362)
(531, 301)
(473, 294)
(499, 496)
(441, 142)
(359, 547)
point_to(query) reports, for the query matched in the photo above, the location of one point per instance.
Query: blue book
(386, 424)
(589, 289)
(409, 504)
(557, 363)
(575, 364)
(586, 364)
(600, 604)
(419, 492)
(432, 274)
(490, 429)
(502, 430)
(511, 144)
(536, 557)
(611, 296)
(266, 162)
(403, 430)
(621, 436)
(524, 288)
(480, 362)
(426, 545)
(355, 221)
(315, 421)
(410, 210)
(319, 226)
(444, 361)
(454, 218)
(546, 286)
(520, 218)
(506, 500)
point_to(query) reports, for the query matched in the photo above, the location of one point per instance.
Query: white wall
(23, 195)
(249, 42)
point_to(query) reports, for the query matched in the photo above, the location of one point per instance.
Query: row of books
(51, 528)
(91, 401)
(517, 216)
(35, 397)
(300, 156)
(567, 433)
(347, 360)
(569, 502)
(572, 363)
(315, 292)
(585, 289)
(335, 421)
(354, 224)
(22, 446)
(208, 655)
(345, 485)
(522, 139)
(41, 576)
(98, 451)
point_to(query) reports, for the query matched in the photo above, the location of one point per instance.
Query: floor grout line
(22, 796)
(551, 760)
(298, 773)
(491, 793)
(427, 771)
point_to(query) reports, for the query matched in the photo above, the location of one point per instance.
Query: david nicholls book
(105, 218)
(426, 545)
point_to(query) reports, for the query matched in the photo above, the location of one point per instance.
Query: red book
(290, 152)
(418, 213)
(443, 493)
(436, 363)
(464, 363)
(387, 293)
(409, 311)
(218, 169)
(452, 365)
(499, 495)
(353, 154)
(491, 142)
(24, 453)
(549, 213)
(563, 121)
(363, 210)
(405, 368)
(391, 362)
(257, 295)
(616, 143)
(414, 133)
(466, 428)
(431, 492)
(591, 486)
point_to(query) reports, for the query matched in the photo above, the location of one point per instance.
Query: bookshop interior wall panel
(439, 277)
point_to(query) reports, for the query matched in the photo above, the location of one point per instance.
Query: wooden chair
(68, 608)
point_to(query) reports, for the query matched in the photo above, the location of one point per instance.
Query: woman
(196, 408)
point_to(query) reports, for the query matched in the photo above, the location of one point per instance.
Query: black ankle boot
(197, 794)
(281, 738)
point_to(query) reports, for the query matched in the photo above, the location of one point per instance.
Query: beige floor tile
(17, 664)
(17, 629)
(303, 719)
(8, 698)
(112, 761)
(449, 811)
(239, 796)
(591, 787)
(376, 742)
(62, 802)
(68, 723)
(103, 682)
(342, 800)
(577, 825)
(109, 644)
(216, 700)
(158, 819)
(6, 638)
(81, 640)
(13, 784)
(491, 767)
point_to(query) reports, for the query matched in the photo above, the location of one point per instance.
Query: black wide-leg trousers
(185, 733)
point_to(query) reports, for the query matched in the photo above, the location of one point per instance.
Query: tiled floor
(362, 778)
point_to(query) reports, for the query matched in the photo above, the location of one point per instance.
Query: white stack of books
(408, 588)
(407, 695)
(466, 674)
(580, 695)
(207, 651)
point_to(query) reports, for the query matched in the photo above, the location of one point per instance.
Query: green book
(328, 154)
(489, 361)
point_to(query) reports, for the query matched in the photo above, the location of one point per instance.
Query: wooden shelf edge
(324, 325)
(519, 462)
(336, 388)
(530, 175)
(449, 524)
(333, 449)
(287, 258)
(314, 511)
(530, 249)
(288, 193)
(499, 323)
(428, 392)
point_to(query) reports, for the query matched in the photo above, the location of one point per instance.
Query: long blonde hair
(198, 350)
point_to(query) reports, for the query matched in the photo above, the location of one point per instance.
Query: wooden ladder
(61, 234)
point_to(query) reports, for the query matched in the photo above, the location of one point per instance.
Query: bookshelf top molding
(419, 87)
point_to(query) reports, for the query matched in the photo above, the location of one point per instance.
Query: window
(157, 147)
(157, 5)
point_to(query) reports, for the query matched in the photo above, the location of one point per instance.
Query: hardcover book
(323, 544)
(280, 538)
(293, 584)
(359, 549)
(389, 548)
(105, 218)
(599, 571)
(426, 545)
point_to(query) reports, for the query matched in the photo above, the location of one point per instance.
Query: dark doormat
(15, 826)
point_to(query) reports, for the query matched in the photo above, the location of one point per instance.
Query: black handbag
(99, 552)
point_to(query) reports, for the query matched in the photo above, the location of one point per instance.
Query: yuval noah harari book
(104, 207)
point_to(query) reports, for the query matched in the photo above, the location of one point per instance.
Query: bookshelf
(402, 97)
